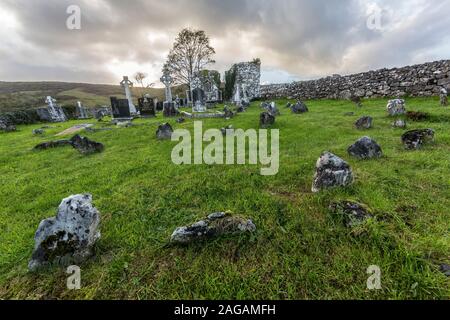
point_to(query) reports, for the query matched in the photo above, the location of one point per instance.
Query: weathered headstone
(147, 107)
(266, 119)
(164, 132)
(299, 107)
(444, 97)
(331, 171)
(396, 107)
(70, 236)
(127, 85)
(415, 139)
(53, 112)
(199, 100)
(215, 225)
(364, 123)
(365, 148)
(81, 112)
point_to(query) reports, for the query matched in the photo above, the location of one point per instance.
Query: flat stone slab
(74, 129)
(203, 115)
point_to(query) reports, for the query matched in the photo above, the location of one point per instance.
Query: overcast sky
(295, 39)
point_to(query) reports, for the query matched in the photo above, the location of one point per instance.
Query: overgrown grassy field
(300, 250)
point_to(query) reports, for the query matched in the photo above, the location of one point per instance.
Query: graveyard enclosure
(300, 249)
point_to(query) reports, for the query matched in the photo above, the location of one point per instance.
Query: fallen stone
(353, 213)
(52, 144)
(215, 225)
(164, 132)
(331, 171)
(396, 107)
(69, 237)
(38, 132)
(181, 120)
(415, 139)
(364, 123)
(266, 119)
(299, 107)
(399, 124)
(86, 146)
(365, 148)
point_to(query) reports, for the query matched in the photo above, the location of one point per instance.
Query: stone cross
(127, 84)
(167, 80)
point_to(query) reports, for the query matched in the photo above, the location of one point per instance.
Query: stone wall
(418, 80)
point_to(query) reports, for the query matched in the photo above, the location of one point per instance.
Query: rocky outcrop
(215, 225)
(331, 171)
(70, 236)
(365, 148)
(422, 80)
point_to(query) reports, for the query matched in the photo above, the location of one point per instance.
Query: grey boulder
(299, 107)
(216, 224)
(164, 132)
(365, 148)
(331, 171)
(396, 107)
(69, 237)
(415, 139)
(364, 123)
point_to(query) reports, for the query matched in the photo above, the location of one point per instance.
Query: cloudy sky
(295, 39)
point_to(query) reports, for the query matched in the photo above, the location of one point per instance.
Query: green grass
(300, 251)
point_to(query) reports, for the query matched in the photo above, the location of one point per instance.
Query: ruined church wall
(421, 80)
(248, 75)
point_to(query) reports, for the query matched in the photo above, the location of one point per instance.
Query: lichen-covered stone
(353, 213)
(164, 132)
(215, 225)
(365, 148)
(399, 124)
(86, 146)
(299, 107)
(396, 107)
(266, 119)
(70, 236)
(331, 171)
(364, 123)
(415, 139)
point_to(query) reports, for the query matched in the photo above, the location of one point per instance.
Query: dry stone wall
(419, 80)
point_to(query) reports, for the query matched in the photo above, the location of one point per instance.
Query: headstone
(147, 107)
(81, 112)
(331, 171)
(86, 146)
(415, 139)
(160, 106)
(215, 225)
(53, 112)
(68, 238)
(364, 123)
(299, 107)
(266, 119)
(199, 100)
(443, 97)
(399, 124)
(164, 132)
(127, 84)
(120, 109)
(170, 109)
(365, 148)
(396, 107)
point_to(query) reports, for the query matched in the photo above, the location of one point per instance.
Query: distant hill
(28, 95)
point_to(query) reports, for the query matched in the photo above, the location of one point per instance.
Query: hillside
(24, 95)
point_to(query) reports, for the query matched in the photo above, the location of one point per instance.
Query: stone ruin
(53, 112)
(244, 81)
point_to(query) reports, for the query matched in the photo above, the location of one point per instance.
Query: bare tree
(191, 53)
(140, 77)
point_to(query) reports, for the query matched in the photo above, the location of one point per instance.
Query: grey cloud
(295, 38)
